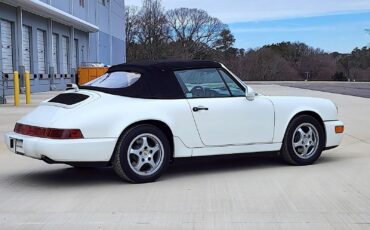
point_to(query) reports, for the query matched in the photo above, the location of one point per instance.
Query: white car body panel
(232, 149)
(287, 107)
(227, 127)
(332, 138)
(232, 120)
(85, 150)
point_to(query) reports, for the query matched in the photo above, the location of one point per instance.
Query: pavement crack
(358, 139)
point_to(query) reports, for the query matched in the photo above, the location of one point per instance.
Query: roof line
(45, 10)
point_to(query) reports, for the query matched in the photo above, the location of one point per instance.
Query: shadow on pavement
(219, 164)
(70, 176)
(181, 168)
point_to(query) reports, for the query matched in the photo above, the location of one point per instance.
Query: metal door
(41, 51)
(6, 46)
(26, 45)
(55, 53)
(65, 54)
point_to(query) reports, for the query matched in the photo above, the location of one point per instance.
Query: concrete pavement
(246, 192)
(359, 89)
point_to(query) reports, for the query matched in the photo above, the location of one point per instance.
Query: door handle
(196, 109)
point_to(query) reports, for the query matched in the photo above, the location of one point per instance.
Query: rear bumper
(333, 139)
(73, 150)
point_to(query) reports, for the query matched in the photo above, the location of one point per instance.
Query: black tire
(124, 168)
(291, 155)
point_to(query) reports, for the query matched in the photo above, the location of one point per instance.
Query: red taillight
(48, 132)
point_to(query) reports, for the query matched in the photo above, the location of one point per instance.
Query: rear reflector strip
(339, 129)
(48, 132)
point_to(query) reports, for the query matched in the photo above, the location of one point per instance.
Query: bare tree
(194, 29)
(132, 24)
(186, 33)
(133, 51)
(266, 65)
(153, 29)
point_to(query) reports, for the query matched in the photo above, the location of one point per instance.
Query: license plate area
(17, 145)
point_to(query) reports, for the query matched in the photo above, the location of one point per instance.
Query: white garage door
(6, 47)
(55, 53)
(65, 53)
(26, 33)
(41, 51)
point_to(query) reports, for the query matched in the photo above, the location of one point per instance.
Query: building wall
(110, 20)
(38, 82)
(106, 46)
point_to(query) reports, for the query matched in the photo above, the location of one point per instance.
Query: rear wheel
(304, 141)
(142, 154)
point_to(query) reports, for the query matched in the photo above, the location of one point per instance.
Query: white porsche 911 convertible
(138, 117)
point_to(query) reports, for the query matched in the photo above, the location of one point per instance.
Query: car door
(222, 113)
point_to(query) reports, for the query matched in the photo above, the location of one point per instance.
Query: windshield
(115, 80)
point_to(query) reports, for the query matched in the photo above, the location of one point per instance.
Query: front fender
(288, 107)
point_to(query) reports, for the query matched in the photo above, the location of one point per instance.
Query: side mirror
(250, 94)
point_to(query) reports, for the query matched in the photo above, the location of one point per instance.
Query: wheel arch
(312, 114)
(157, 123)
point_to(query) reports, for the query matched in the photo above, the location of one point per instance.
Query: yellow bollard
(28, 87)
(16, 88)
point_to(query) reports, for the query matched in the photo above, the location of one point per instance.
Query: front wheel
(142, 154)
(304, 141)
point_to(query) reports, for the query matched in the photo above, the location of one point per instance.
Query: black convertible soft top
(157, 80)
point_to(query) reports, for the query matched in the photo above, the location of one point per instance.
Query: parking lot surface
(359, 89)
(246, 192)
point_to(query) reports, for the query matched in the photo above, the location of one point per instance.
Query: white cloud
(231, 11)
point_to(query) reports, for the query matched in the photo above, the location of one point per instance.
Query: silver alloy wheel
(305, 140)
(145, 154)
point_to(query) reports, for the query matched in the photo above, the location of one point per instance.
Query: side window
(235, 89)
(202, 83)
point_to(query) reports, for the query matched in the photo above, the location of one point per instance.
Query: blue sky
(340, 32)
(332, 25)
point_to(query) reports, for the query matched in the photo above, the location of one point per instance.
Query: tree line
(152, 33)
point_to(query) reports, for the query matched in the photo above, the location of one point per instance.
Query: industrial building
(52, 38)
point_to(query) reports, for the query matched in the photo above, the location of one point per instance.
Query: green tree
(226, 40)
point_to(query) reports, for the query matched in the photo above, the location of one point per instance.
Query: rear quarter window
(113, 80)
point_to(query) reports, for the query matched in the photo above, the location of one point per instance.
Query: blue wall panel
(118, 52)
(93, 47)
